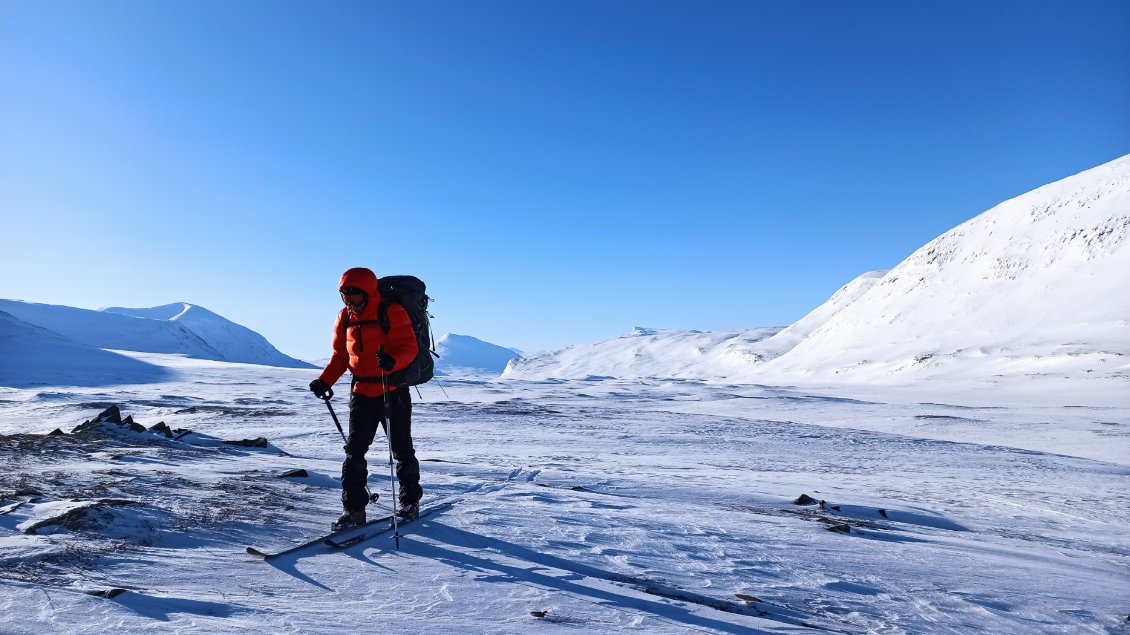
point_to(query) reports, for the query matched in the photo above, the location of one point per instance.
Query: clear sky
(558, 172)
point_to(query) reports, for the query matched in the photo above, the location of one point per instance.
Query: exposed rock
(161, 428)
(56, 432)
(107, 593)
(299, 473)
(260, 442)
(71, 519)
(883, 513)
(842, 529)
(86, 426)
(74, 519)
(112, 414)
(804, 499)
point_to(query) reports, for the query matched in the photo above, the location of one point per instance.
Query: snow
(960, 424)
(1040, 280)
(176, 328)
(643, 505)
(234, 343)
(466, 355)
(1036, 287)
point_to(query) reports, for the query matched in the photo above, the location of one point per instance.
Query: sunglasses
(353, 296)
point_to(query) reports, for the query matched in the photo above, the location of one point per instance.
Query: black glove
(385, 361)
(319, 388)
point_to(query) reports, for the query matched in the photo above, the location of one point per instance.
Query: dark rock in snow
(133, 425)
(107, 593)
(76, 518)
(841, 529)
(260, 442)
(56, 432)
(112, 414)
(299, 473)
(883, 513)
(804, 499)
(161, 428)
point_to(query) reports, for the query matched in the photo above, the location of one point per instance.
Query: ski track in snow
(603, 505)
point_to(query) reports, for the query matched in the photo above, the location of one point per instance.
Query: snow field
(649, 506)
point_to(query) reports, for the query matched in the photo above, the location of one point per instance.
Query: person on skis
(371, 342)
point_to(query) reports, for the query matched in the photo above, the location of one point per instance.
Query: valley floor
(604, 505)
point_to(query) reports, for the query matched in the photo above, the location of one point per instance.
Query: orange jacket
(355, 347)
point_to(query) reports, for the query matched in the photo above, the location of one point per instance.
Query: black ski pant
(365, 415)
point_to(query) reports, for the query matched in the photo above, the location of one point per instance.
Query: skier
(372, 345)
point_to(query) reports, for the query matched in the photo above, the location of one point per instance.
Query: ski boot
(350, 518)
(408, 512)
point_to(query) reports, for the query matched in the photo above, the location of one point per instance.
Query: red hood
(365, 280)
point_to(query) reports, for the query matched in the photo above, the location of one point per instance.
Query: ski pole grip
(328, 394)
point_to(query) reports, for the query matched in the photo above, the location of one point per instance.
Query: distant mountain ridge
(178, 328)
(1036, 285)
(234, 342)
(461, 354)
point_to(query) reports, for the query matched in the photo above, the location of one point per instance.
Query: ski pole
(387, 420)
(330, 393)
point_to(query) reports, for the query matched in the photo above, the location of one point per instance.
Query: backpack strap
(382, 315)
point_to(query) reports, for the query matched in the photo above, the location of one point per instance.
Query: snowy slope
(463, 354)
(35, 356)
(1038, 284)
(191, 331)
(234, 342)
(649, 353)
(108, 330)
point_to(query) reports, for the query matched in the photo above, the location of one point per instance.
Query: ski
(341, 534)
(339, 542)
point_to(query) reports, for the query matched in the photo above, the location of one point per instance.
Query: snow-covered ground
(652, 506)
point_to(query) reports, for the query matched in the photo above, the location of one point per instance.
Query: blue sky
(558, 172)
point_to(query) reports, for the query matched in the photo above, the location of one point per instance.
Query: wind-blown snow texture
(176, 328)
(1035, 286)
(590, 506)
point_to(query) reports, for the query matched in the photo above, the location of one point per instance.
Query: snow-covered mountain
(190, 331)
(33, 355)
(1037, 284)
(463, 354)
(649, 353)
(234, 342)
